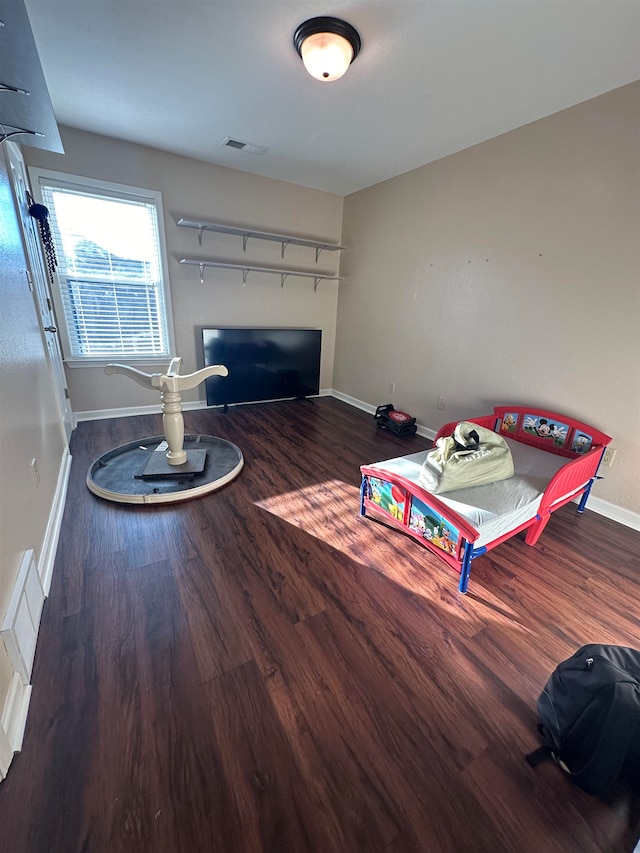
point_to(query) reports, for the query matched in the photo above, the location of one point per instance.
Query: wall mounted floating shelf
(284, 239)
(247, 268)
(26, 112)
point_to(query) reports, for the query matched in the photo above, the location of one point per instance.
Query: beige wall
(29, 426)
(507, 273)
(194, 189)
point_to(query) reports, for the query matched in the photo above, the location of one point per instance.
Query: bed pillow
(462, 460)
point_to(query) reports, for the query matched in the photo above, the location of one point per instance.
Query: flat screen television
(263, 364)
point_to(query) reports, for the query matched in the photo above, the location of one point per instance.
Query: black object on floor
(399, 423)
(590, 713)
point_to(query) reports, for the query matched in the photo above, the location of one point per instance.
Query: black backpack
(590, 712)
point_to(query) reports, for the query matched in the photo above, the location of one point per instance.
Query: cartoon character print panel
(581, 442)
(509, 422)
(432, 526)
(553, 431)
(388, 497)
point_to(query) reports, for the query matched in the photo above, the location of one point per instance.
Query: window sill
(130, 362)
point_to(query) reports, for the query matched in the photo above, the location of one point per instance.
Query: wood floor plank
(517, 804)
(49, 777)
(151, 757)
(269, 800)
(280, 557)
(305, 707)
(218, 636)
(264, 671)
(383, 719)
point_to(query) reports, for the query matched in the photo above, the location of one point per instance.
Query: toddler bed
(555, 458)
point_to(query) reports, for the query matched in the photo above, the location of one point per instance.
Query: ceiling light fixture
(327, 47)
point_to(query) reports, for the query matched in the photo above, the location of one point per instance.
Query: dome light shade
(326, 56)
(327, 47)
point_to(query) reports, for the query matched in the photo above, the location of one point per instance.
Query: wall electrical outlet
(609, 456)
(391, 388)
(36, 472)
(442, 404)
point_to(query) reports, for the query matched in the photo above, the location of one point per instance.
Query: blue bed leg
(465, 568)
(362, 495)
(585, 497)
(586, 493)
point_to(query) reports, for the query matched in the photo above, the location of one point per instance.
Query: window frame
(81, 183)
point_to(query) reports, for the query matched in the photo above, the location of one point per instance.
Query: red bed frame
(581, 445)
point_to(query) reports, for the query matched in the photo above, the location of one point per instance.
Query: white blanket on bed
(496, 508)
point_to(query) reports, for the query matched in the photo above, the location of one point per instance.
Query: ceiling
(433, 77)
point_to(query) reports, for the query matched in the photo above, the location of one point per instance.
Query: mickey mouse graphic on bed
(543, 429)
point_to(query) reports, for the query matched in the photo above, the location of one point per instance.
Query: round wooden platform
(121, 474)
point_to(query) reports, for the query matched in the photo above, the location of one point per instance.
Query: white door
(39, 283)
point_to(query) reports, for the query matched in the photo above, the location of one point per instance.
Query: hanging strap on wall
(41, 213)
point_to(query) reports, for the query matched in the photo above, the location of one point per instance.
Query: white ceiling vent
(249, 147)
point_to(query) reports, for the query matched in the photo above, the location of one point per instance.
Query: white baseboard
(16, 707)
(614, 512)
(52, 533)
(353, 401)
(131, 411)
(602, 507)
(6, 753)
(422, 430)
(13, 721)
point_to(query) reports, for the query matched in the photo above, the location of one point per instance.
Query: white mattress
(497, 508)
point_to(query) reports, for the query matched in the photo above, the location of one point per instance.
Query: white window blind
(110, 273)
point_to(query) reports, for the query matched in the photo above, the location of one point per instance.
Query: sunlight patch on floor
(329, 511)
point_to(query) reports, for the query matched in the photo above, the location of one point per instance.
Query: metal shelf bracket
(17, 132)
(5, 87)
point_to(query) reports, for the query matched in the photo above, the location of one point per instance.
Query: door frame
(38, 279)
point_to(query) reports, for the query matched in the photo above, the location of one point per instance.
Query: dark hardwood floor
(263, 670)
